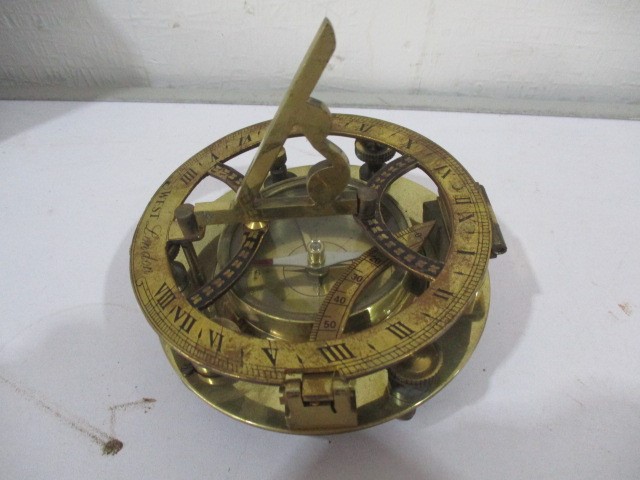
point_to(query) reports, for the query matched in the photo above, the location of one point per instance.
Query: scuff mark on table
(110, 445)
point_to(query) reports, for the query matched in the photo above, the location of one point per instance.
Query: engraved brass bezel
(237, 355)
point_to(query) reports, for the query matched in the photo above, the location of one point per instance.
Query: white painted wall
(546, 56)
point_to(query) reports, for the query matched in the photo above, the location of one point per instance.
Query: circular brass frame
(240, 356)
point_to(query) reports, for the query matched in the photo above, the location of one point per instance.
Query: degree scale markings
(382, 237)
(429, 316)
(224, 280)
(251, 241)
(334, 312)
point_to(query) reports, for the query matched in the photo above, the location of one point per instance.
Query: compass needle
(325, 298)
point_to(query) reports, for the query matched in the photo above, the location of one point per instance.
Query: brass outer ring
(240, 356)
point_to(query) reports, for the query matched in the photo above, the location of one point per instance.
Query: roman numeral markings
(244, 139)
(443, 294)
(400, 330)
(460, 200)
(336, 353)
(463, 217)
(409, 139)
(187, 176)
(184, 318)
(215, 340)
(272, 354)
(164, 296)
(444, 170)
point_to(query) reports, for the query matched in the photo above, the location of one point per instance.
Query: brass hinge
(315, 401)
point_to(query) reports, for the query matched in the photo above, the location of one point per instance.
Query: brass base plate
(378, 399)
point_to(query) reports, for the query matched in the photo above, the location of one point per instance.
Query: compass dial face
(205, 337)
(280, 294)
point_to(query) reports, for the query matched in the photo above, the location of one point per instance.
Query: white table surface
(553, 390)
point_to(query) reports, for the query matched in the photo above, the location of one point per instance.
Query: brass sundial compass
(326, 298)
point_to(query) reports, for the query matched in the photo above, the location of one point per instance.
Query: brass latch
(318, 401)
